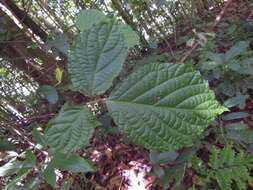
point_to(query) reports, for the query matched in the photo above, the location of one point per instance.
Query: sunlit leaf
(71, 129)
(97, 58)
(58, 75)
(87, 18)
(163, 107)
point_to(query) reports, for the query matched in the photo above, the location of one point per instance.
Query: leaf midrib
(150, 105)
(99, 54)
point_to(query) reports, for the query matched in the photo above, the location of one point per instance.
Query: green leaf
(6, 145)
(66, 162)
(235, 115)
(173, 173)
(218, 58)
(49, 92)
(72, 163)
(12, 185)
(10, 168)
(15, 166)
(239, 132)
(237, 100)
(244, 67)
(157, 171)
(71, 129)
(130, 36)
(59, 43)
(3, 72)
(58, 75)
(209, 65)
(164, 157)
(226, 88)
(97, 58)
(185, 155)
(164, 107)
(38, 137)
(236, 50)
(49, 174)
(226, 166)
(87, 18)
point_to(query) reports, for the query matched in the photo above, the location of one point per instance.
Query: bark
(15, 49)
(23, 17)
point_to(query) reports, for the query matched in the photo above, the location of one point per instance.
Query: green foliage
(6, 145)
(239, 48)
(16, 166)
(71, 163)
(38, 137)
(65, 162)
(163, 107)
(239, 100)
(165, 157)
(87, 18)
(99, 52)
(130, 36)
(49, 174)
(173, 174)
(58, 75)
(3, 72)
(97, 58)
(19, 167)
(240, 133)
(48, 92)
(71, 129)
(235, 115)
(227, 167)
(59, 43)
(230, 65)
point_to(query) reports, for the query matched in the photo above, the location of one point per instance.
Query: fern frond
(226, 167)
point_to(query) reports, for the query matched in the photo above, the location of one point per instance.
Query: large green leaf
(71, 129)
(164, 107)
(97, 58)
(87, 18)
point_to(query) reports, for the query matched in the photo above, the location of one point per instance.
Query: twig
(216, 22)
